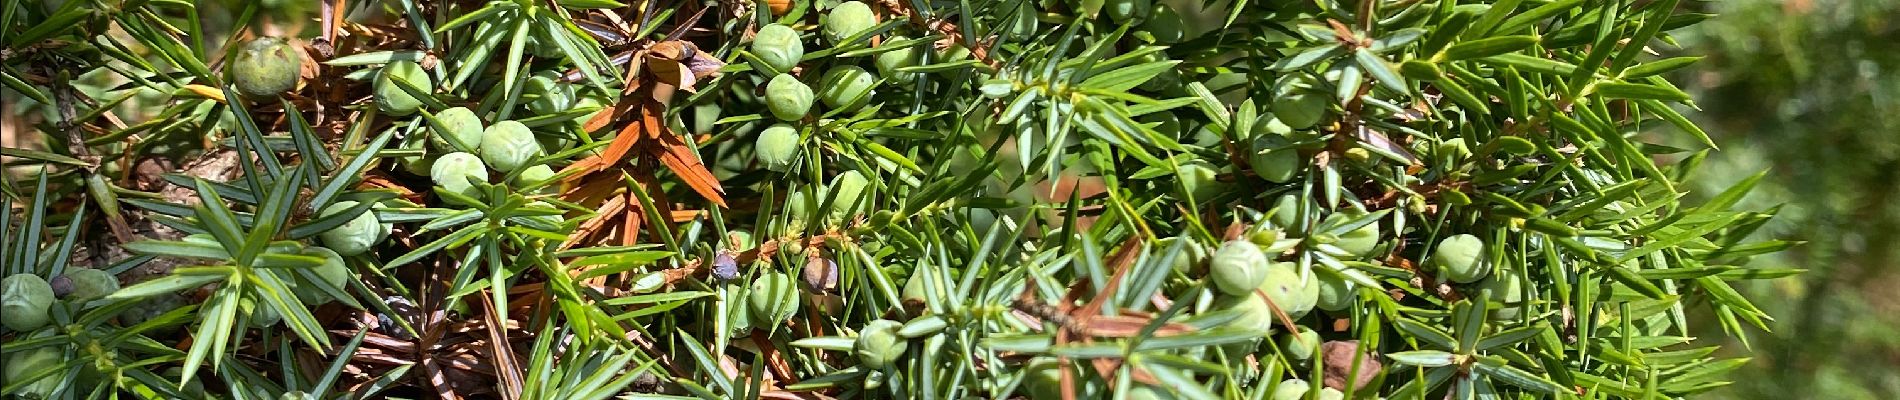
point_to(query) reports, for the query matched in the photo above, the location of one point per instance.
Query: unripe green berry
(1331, 394)
(1300, 343)
(508, 145)
(787, 98)
(878, 345)
(1507, 287)
(334, 273)
(1453, 150)
(779, 49)
(1287, 213)
(915, 288)
(848, 188)
(1285, 288)
(550, 220)
(25, 298)
(1127, 10)
(1360, 242)
(356, 236)
(1291, 389)
(266, 66)
(1042, 379)
(535, 175)
(888, 62)
(1166, 25)
(24, 364)
(392, 99)
(1198, 180)
(1192, 254)
(456, 172)
(1255, 314)
(417, 164)
(847, 20)
(262, 314)
(1268, 124)
(846, 87)
(294, 395)
(1299, 110)
(1023, 22)
(1459, 258)
(776, 147)
(1146, 392)
(774, 297)
(89, 284)
(550, 94)
(1335, 293)
(462, 130)
(1275, 159)
(1238, 267)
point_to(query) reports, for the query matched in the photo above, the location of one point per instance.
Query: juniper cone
(393, 99)
(266, 66)
(892, 199)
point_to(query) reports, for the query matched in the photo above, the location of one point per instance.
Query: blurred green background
(1809, 90)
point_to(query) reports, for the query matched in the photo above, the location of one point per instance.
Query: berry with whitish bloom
(778, 48)
(1285, 288)
(725, 267)
(1237, 268)
(356, 236)
(88, 284)
(821, 274)
(25, 300)
(266, 66)
(534, 175)
(888, 62)
(1299, 110)
(776, 147)
(1291, 389)
(1459, 258)
(1300, 343)
(461, 130)
(333, 272)
(774, 297)
(846, 87)
(848, 19)
(1335, 293)
(508, 145)
(394, 100)
(878, 345)
(457, 172)
(787, 98)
